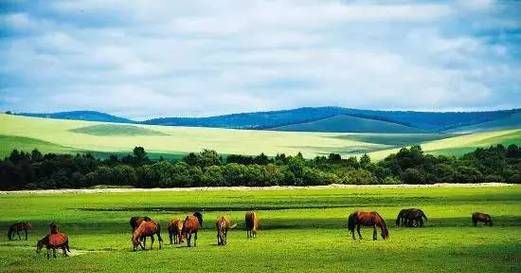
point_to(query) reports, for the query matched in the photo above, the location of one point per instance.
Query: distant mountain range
(329, 119)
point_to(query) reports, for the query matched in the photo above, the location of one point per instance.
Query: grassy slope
(343, 123)
(505, 123)
(459, 145)
(181, 139)
(9, 143)
(116, 130)
(301, 231)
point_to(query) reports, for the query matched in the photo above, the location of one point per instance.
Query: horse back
(191, 224)
(57, 239)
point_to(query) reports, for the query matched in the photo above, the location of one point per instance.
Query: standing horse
(54, 241)
(17, 228)
(368, 219)
(190, 226)
(175, 231)
(146, 228)
(252, 224)
(410, 217)
(223, 224)
(481, 217)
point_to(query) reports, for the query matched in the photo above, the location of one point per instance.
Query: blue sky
(196, 58)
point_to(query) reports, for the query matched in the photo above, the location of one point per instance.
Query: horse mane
(351, 222)
(383, 226)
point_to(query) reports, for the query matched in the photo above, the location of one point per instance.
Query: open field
(302, 230)
(102, 138)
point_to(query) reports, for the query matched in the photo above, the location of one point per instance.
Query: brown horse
(410, 217)
(16, 228)
(136, 221)
(190, 226)
(368, 219)
(146, 228)
(54, 241)
(223, 225)
(252, 224)
(481, 217)
(175, 231)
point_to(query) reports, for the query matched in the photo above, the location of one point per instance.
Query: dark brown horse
(252, 224)
(191, 226)
(410, 217)
(54, 241)
(16, 228)
(481, 217)
(368, 219)
(175, 231)
(146, 228)
(223, 225)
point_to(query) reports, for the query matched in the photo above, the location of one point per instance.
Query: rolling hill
(513, 121)
(101, 138)
(80, 115)
(345, 123)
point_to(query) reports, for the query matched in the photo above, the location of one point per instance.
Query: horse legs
(65, 251)
(18, 233)
(48, 253)
(195, 239)
(420, 220)
(170, 236)
(25, 234)
(374, 233)
(189, 239)
(54, 252)
(152, 242)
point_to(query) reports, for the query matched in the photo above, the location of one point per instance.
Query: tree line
(34, 170)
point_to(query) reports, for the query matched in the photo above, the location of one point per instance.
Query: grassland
(104, 138)
(302, 230)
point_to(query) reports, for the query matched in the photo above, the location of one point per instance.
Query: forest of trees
(34, 170)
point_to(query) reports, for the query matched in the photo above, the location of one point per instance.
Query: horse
(411, 217)
(136, 221)
(252, 224)
(175, 229)
(54, 241)
(481, 217)
(146, 228)
(17, 227)
(199, 216)
(223, 224)
(367, 218)
(190, 226)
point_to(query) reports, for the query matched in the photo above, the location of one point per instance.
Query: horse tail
(67, 246)
(424, 216)
(398, 218)
(351, 222)
(159, 232)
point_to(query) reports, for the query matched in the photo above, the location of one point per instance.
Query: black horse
(16, 228)
(411, 217)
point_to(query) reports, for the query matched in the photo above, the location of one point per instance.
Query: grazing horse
(16, 228)
(252, 224)
(190, 226)
(146, 228)
(223, 224)
(368, 219)
(175, 231)
(410, 217)
(481, 217)
(54, 241)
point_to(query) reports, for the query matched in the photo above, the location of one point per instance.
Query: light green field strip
(182, 139)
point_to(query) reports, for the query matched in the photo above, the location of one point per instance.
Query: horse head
(39, 245)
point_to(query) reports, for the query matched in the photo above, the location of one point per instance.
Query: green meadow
(71, 136)
(302, 230)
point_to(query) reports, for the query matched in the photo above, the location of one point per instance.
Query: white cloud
(204, 57)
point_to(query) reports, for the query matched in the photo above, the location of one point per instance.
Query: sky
(144, 59)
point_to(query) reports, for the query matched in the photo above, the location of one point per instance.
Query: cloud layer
(141, 59)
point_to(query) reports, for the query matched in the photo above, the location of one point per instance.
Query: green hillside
(344, 123)
(116, 130)
(510, 122)
(52, 135)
